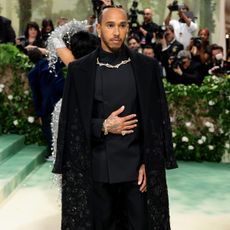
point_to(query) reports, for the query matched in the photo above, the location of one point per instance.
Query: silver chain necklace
(113, 66)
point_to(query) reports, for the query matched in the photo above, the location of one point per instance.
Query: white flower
(226, 111)
(172, 119)
(203, 138)
(2, 86)
(208, 124)
(221, 131)
(211, 103)
(214, 77)
(26, 92)
(188, 124)
(211, 130)
(15, 122)
(174, 145)
(184, 139)
(227, 145)
(10, 97)
(200, 142)
(173, 134)
(210, 147)
(190, 147)
(30, 119)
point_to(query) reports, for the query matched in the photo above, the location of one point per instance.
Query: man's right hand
(121, 125)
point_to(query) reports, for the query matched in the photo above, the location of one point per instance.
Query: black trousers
(119, 206)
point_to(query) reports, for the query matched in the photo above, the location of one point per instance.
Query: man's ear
(98, 28)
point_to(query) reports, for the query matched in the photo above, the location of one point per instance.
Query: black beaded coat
(73, 159)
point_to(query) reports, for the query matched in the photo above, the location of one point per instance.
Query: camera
(197, 42)
(175, 6)
(133, 17)
(175, 62)
(160, 32)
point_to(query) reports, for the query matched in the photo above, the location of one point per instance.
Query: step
(15, 169)
(9, 145)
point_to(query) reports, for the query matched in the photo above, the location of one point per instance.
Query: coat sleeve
(170, 160)
(63, 120)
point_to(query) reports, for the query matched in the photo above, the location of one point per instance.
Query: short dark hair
(148, 47)
(216, 47)
(35, 55)
(135, 37)
(108, 7)
(82, 43)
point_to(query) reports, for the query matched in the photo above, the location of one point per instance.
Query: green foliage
(200, 119)
(16, 108)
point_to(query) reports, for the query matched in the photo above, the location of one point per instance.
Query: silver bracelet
(105, 128)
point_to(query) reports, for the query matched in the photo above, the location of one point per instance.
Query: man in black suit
(167, 46)
(114, 140)
(7, 33)
(183, 70)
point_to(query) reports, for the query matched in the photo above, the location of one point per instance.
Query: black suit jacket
(73, 156)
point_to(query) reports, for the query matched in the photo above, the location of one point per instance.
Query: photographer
(219, 66)
(183, 70)
(167, 45)
(200, 48)
(185, 26)
(148, 29)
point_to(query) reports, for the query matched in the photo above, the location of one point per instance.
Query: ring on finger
(123, 133)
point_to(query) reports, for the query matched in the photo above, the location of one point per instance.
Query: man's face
(113, 29)
(133, 44)
(185, 63)
(148, 15)
(169, 35)
(148, 52)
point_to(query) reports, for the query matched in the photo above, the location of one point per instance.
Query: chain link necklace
(113, 66)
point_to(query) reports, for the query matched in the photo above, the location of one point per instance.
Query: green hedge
(200, 116)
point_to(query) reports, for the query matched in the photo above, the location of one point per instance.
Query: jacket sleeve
(170, 160)
(63, 120)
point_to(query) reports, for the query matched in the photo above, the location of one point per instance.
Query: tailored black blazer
(73, 159)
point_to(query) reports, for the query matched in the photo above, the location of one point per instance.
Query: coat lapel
(142, 76)
(85, 85)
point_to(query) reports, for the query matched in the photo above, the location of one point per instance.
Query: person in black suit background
(47, 89)
(7, 33)
(167, 46)
(182, 69)
(114, 139)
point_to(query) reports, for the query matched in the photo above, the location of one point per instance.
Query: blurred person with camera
(200, 48)
(7, 33)
(167, 45)
(183, 70)
(219, 65)
(185, 26)
(148, 29)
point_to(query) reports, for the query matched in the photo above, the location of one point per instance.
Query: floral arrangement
(200, 116)
(16, 107)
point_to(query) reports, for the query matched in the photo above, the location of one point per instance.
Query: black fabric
(115, 158)
(73, 158)
(194, 74)
(7, 33)
(113, 200)
(151, 28)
